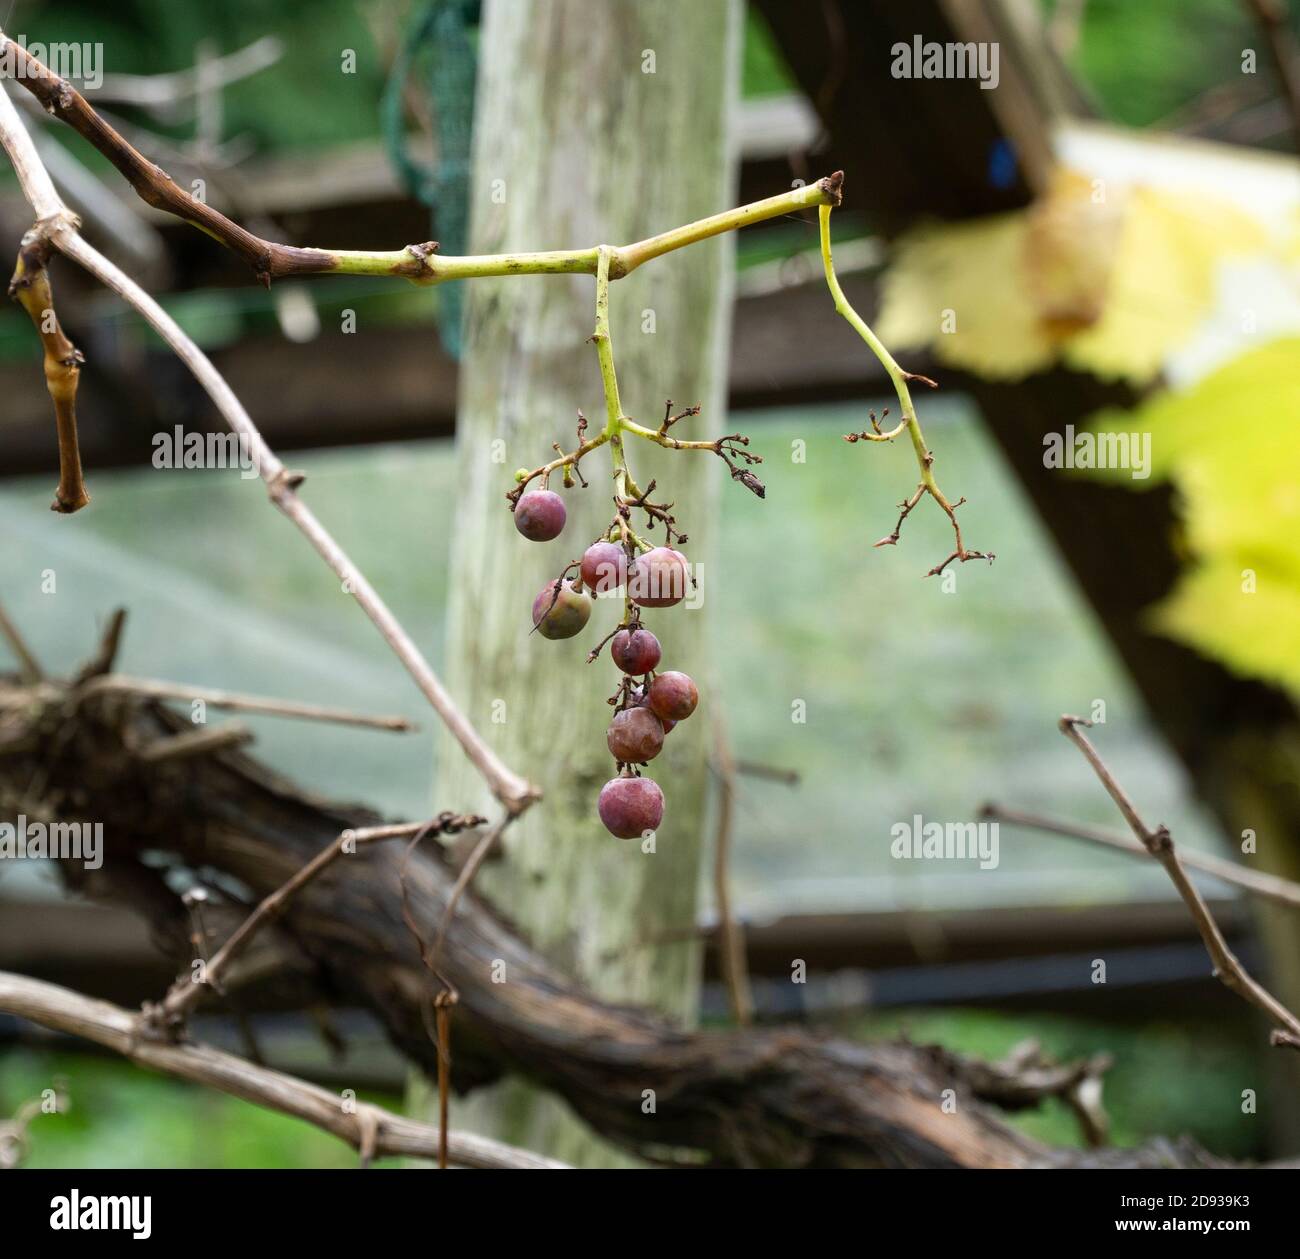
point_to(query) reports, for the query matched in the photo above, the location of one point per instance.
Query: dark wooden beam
(49, 940)
(910, 148)
(390, 384)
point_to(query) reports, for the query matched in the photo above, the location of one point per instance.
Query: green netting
(438, 50)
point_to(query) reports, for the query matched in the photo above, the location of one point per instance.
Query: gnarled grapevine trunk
(783, 1097)
(605, 123)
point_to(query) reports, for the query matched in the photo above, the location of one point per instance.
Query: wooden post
(596, 123)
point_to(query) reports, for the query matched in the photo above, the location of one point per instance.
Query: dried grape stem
(900, 379)
(30, 288)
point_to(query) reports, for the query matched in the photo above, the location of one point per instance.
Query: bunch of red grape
(630, 804)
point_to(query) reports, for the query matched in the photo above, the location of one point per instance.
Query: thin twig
(1026, 1076)
(390, 1135)
(203, 742)
(110, 643)
(466, 876)
(59, 227)
(443, 1015)
(731, 939)
(901, 380)
(13, 1131)
(147, 688)
(907, 506)
(161, 93)
(1227, 969)
(752, 769)
(31, 670)
(1268, 886)
(447, 994)
(30, 288)
(728, 448)
(184, 993)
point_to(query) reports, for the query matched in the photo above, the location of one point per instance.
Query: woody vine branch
(421, 264)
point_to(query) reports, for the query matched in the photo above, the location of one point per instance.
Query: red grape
(658, 579)
(635, 651)
(673, 695)
(540, 515)
(567, 617)
(604, 567)
(635, 735)
(638, 699)
(631, 806)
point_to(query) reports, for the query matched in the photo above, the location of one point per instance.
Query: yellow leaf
(961, 290)
(1163, 281)
(1108, 286)
(1231, 447)
(1069, 254)
(1256, 635)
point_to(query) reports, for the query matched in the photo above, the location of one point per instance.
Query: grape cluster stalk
(631, 805)
(647, 702)
(56, 228)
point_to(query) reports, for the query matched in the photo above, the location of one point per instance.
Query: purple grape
(567, 617)
(604, 567)
(631, 806)
(635, 736)
(540, 515)
(635, 651)
(673, 696)
(637, 699)
(658, 579)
